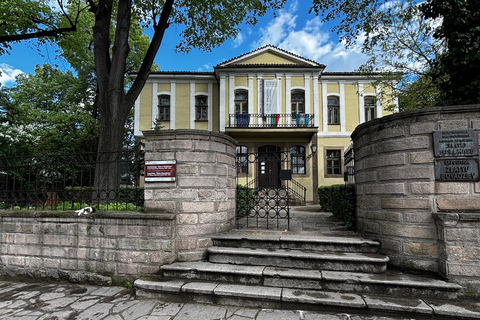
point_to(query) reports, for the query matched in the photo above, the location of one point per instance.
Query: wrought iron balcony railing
(303, 120)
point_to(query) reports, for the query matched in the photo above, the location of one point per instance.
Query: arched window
(297, 154)
(241, 101)
(298, 102)
(242, 159)
(333, 110)
(163, 108)
(201, 108)
(370, 104)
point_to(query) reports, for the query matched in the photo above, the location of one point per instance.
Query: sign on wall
(160, 171)
(456, 143)
(457, 153)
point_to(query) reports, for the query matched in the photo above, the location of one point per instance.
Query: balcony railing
(271, 121)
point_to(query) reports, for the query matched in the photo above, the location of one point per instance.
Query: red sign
(158, 171)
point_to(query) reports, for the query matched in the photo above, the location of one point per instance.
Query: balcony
(271, 126)
(271, 121)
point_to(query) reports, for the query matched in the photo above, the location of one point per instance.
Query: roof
(299, 60)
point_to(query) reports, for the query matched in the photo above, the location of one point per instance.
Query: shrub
(244, 199)
(340, 199)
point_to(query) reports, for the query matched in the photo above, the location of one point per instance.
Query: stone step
(392, 283)
(295, 241)
(336, 261)
(187, 291)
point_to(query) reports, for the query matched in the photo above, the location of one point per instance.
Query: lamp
(313, 148)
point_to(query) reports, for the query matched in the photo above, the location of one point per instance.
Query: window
(297, 154)
(241, 102)
(298, 102)
(333, 110)
(201, 108)
(333, 162)
(370, 104)
(242, 159)
(163, 108)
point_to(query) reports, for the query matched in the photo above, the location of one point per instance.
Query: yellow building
(291, 119)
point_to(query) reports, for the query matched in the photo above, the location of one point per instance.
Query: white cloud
(238, 40)
(8, 73)
(309, 39)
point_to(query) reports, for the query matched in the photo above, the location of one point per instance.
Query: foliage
(426, 51)
(457, 70)
(54, 107)
(339, 199)
(244, 200)
(40, 19)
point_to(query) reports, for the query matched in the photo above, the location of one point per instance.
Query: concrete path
(58, 301)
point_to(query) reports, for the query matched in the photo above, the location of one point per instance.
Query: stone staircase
(306, 271)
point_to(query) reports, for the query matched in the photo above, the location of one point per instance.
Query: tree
(23, 20)
(55, 108)
(457, 70)
(398, 40)
(206, 24)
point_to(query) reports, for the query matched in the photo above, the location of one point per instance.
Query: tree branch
(39, 34)
(144, 71)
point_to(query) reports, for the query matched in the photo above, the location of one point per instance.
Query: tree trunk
(114, 103)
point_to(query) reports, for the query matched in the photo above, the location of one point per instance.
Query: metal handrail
(302, 120)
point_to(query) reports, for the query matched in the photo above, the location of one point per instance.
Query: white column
(231, 95)
(316, 103)
(192, 105)
(378, 91)
(250, 94)
(361, 103)
(210, 106)
(307, 94)
(172, 105)
(154, 103)
(279, 98)
(343, 116)
(222, 103)
(136, 119)
(325, 106)
(288, 97)
(259, 98)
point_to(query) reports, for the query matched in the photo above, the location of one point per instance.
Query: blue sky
(293, 29)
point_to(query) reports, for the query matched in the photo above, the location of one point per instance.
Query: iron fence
(349, 164)
(67, 182)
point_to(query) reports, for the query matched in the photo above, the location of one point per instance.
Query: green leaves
(23, 20)
(56, 107)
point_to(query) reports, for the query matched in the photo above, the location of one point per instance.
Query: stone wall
(179, 218)
(398, 198)
(202, 197)
(91, 248)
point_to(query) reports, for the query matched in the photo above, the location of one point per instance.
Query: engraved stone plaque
(458, 169)
(455, 143)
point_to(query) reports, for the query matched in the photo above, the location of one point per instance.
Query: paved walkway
(60, 301)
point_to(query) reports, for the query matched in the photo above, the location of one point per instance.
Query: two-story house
(291, 119)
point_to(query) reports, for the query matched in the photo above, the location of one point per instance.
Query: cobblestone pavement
(56, 301)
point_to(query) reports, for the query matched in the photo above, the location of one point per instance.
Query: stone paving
(58, 301)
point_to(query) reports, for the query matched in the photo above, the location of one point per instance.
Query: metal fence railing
(349, 165)
(67, 182)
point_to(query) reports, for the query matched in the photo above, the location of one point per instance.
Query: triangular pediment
(270, 55)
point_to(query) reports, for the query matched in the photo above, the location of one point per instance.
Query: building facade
(291, 119)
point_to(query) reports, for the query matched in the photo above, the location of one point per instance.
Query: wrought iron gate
(263, 180)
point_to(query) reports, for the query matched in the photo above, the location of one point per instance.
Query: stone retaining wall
(203, 194)
(179, 219)
(399, 200)
(62, 245)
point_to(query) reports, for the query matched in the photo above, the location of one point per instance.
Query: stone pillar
(202, 197)
(400, 202)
